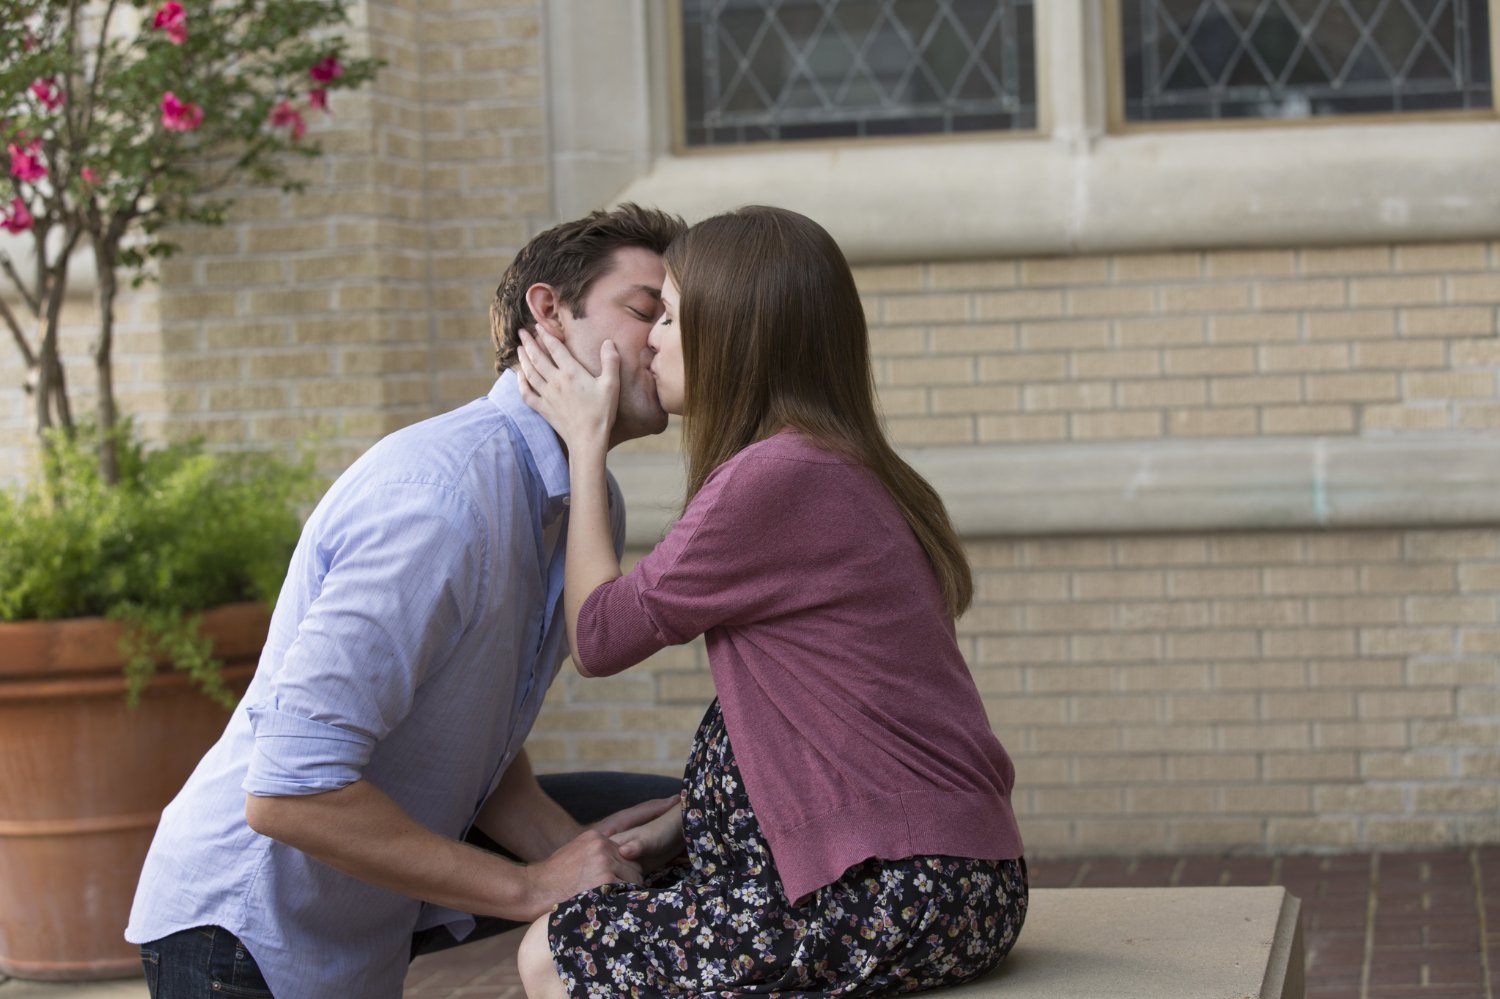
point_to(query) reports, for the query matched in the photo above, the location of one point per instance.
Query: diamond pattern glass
(780, 70)
(1209, 59)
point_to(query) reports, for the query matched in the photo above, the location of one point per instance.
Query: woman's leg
(538, 972)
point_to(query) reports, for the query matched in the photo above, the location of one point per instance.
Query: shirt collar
(541, 440)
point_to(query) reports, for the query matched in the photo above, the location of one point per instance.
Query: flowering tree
(120, 118)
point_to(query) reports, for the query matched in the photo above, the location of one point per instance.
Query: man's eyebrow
(653, 292)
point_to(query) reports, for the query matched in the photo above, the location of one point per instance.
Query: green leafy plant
(181, 530)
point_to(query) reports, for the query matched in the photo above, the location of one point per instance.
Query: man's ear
(546, 308)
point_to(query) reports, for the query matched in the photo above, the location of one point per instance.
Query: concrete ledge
(1152, 943)
(1169, 486)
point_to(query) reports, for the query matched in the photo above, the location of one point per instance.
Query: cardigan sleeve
(718, 566)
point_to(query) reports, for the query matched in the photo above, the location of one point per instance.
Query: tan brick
(1458, 798)
(1253, 613)
(1346, 260)
(976, 399)
(289, 301)
(287, 238)
(1354, 546)
(1447, 322)
(1160, 615)
(1251, 263)
(1266, 327)
(930, 371)
(1176, 677)
(1396, 291)
(1023, 649)
(1119, 301)
(982, 275)
(1450, 385)
(1068, 617)
(1430, 417)
(1304, 705)
(1363, 387)
(1213, 582)
(1360, 799)
(1147, 800)
(1194, 298)
(1258, 675)
(1471, 417)
(1117, 709)
(1264, 736)
(1354, 610)
(1167, 738)
(1156, 266)
(1026, 367)
(1305, 357)
(1311, 580)
(1257, 389)
(929, 430)
(983, 619)
(1453, 610)
(1217, 768)
(1028, 710)
(1326, 293)
(1213, 707)
(1163, 393)
(1351, 324)
(903, 401)
(1163, 331)
(1315, 832)
(1409, 832)
(1018, 305)
(1065, 271)
(1309, 766)
(1056, 678)
(1307, 419)
(289, 364)
(1064, 336)
(1080, 801)
(1116, 364)
(189, 306)
(1129, 769)
(1454, 733)
(1221, 644)
(925, 308)
(1454, 673)
(1360, 735)
(1485, 766)
(1267, 800)
(1307, 642)
(1068, 395)
(974, 338)
(1479, 578)
(1117, 585)
(1210, 361)
(1358, 673)
(1442, 258)
(1482, 353)
(1074, 739)
(1212, 422)
(1115, 425)
(884, 341)
(1161, 551)
(1407, 579)
(1474, 288)
(1406, 641)
(1405, 766)
(1035, 428)
(1115, 648)
(1006, 586)
(1216, 834)
(1400, 356)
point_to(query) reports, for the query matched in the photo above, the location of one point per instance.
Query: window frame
(1117, 124)
(678, 122)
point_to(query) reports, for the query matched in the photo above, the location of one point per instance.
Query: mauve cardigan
(856, 724)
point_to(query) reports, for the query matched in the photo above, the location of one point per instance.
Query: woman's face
(666, 341)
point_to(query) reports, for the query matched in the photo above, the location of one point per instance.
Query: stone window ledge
(1320, 483)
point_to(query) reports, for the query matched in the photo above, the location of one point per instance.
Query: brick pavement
(1379, 926)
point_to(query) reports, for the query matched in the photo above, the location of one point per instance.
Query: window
(779, 70)
(1218, 59)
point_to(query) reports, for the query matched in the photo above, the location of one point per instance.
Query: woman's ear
(546, 308)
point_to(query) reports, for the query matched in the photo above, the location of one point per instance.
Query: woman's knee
(538, 972)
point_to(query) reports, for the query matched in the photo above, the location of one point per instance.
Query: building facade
(1189, 310)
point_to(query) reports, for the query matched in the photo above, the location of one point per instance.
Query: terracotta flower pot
(83, 780)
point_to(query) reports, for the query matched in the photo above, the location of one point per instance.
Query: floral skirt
(721, 926)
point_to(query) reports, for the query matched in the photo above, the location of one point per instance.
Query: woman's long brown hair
(774, 337)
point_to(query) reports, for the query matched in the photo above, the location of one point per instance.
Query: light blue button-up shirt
(416, 634)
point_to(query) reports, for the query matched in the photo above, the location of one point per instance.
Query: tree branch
(15, 278)
(18, 333)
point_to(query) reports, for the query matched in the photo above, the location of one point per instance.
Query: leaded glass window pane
(779, 70)
(1196, 59)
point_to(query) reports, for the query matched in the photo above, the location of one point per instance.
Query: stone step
(1152, 943)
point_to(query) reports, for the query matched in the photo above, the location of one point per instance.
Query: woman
(846, 807)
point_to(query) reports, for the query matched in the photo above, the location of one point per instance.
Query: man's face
(622, 306)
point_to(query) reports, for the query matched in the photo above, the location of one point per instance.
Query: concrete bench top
(1152, 943)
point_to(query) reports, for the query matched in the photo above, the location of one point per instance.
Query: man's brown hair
(774, 336)
(571, 257)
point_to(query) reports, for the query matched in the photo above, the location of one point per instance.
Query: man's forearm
(521, 817)
(360, 831)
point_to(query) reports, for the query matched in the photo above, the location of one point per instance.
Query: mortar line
(1372, 903)
(1484, 935)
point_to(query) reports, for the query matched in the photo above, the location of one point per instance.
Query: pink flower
(284, 115)
(16, 219)
(178, 116)
(49, 93)
(173, 20)
(88, 176)
(318, 98)
(26, 164)
(326, 69)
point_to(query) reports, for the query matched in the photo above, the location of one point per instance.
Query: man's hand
(654, 844)
(636, 815)
(588, 861)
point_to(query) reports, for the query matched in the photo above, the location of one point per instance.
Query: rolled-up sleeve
(402, 572)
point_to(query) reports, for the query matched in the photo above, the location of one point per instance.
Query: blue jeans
(209, 961)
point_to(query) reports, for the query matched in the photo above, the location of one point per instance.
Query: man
(418, 630)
